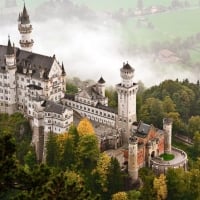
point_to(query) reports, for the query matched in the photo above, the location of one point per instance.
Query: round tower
(127, 91)
(25, 29)
(11, 68)
(132, 158)
(101, 86)
(167, 128)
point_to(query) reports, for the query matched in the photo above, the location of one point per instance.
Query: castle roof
(106, 108)
(29, 60)
(54, 107)
(10, 49)
(143, 128)
(24, 16)
(101, 80)
(127, 67)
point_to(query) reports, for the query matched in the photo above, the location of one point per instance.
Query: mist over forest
(90, 43)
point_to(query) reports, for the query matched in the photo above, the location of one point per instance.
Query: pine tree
(53, 154)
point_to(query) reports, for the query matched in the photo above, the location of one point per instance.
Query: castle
(35, 84)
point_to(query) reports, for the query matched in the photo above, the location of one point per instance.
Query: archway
(152, 154)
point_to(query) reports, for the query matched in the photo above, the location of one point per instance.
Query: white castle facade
(35, 85)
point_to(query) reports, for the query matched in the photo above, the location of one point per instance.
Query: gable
(55, 70)
(84, 94)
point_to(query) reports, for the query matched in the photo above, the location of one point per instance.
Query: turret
(101, 86)
(25, 29)
(127, 74)
(167, 128)
(132, 158)
(63, 79)
(10, 55)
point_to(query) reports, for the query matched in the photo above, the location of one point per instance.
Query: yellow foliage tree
(85, 127)
(103, 164)
(160, 187)
(120, 196)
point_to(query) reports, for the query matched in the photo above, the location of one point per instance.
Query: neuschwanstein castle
(34, 85)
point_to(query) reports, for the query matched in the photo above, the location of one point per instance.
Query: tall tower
(167, 127)
(10, 81)
(132, 158)
(127, 91)
(25, 29)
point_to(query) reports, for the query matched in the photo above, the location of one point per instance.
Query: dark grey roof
(143, 129)
(127, 67)
(63, 70)
(10, 49)
(53, 107)
(24, 16)
(101, 80)
(106, 108)
(29, 60)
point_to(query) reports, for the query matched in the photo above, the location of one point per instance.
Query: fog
(90, 49)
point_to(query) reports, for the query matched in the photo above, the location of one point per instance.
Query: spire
(10, 49)
(24, 16)
(101, 80)
(63, 69)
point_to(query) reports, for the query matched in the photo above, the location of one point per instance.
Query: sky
(90, 49)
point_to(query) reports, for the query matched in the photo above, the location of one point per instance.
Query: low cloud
(90, 50)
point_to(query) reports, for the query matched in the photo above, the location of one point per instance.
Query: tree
(71, 88)
(111, 93)
(68, 157)
(133, 195)
(66, 185)
(115, 181)
(152, 112)
(85, 127)
(8, 163)
(197, 142)
(87, 152)
(52, 150)
(160, 187)
(177, 184)
(168, 105)
(102, 171)
(30, 158)
(120, 196)
(74, 134)
(147, 191)
(193, 125)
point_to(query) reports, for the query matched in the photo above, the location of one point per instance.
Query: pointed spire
(63, 69)
(10, 49)
(24, 16)
(101, 80)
